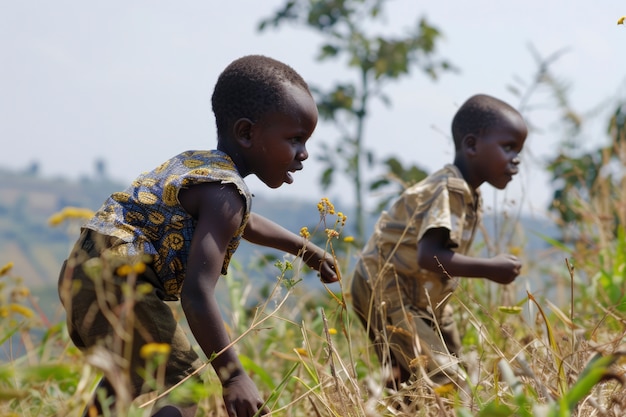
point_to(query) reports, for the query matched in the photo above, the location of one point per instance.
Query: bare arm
(262, 231)
(218, 209)
(432, 249)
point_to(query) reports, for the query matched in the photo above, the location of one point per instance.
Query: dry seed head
(419, 362)
(6, 268)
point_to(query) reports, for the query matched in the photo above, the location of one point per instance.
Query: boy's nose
(302, 154)
(516, 160)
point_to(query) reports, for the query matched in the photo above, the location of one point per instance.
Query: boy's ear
(242, 131)
(469, 144)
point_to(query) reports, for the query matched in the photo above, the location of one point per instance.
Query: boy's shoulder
(447, 180)
(448, 176)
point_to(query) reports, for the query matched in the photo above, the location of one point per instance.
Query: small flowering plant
(13, 298)
(35, 373)
(332, 223)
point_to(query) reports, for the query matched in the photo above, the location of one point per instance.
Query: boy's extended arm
(218, 210)
(433, 254)
(262, 231)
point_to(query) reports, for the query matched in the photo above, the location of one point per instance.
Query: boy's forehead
(507, 123)
(511, 119)
(295, 95)
(290, 90)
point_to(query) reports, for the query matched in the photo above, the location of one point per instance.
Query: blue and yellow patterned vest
(148, 218)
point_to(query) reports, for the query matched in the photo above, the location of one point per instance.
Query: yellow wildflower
(325, 206)
(124, 270)
(515, 250)
(620, 21)
(139, 268)
(331, 233)
(20, 309)
(304, 232)
(20, 292)
(348, 239)
(332, 331)
(56, 219)
(301, 351)
(444, 389)
(69, 213)
(4, 312)
(151, 349)
(5, 269)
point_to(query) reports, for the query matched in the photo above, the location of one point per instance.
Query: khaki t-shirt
(443, 199)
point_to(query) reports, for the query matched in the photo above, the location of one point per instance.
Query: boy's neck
(233, 152)
(462, 166)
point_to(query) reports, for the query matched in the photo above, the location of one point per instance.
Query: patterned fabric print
(149, 218)
(441, 200)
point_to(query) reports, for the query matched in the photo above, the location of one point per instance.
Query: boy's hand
(505, 268)
(325, 264)
(241, 397)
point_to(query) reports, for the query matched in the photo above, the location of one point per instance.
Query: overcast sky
(130, 81)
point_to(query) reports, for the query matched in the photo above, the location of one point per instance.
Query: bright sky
(130, 82)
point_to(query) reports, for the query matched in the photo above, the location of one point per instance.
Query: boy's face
(497, 151)
(278, 139)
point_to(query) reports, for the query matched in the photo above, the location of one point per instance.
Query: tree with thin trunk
(376, 59)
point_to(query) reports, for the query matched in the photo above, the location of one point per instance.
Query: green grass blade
(250, 365)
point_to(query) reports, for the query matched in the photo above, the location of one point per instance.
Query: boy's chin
(277, 184)
(500, 185)
(274, 185)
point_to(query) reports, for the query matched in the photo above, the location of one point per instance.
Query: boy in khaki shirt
(412, 263)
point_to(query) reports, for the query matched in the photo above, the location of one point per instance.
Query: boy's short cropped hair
(250, 87)
(478, 113)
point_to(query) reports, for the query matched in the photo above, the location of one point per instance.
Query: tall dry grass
(525, 355)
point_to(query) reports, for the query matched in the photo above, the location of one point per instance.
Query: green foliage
(586, 179)
(399, 176)
(589, 199)
(40, 369)
(611, 281)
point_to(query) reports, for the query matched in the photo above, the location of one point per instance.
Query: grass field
(525, 354)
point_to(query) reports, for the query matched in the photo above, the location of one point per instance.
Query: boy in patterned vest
(411, 264)
(172, 232)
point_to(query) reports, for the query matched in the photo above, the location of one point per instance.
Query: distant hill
(37, 249)
(26, 203)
